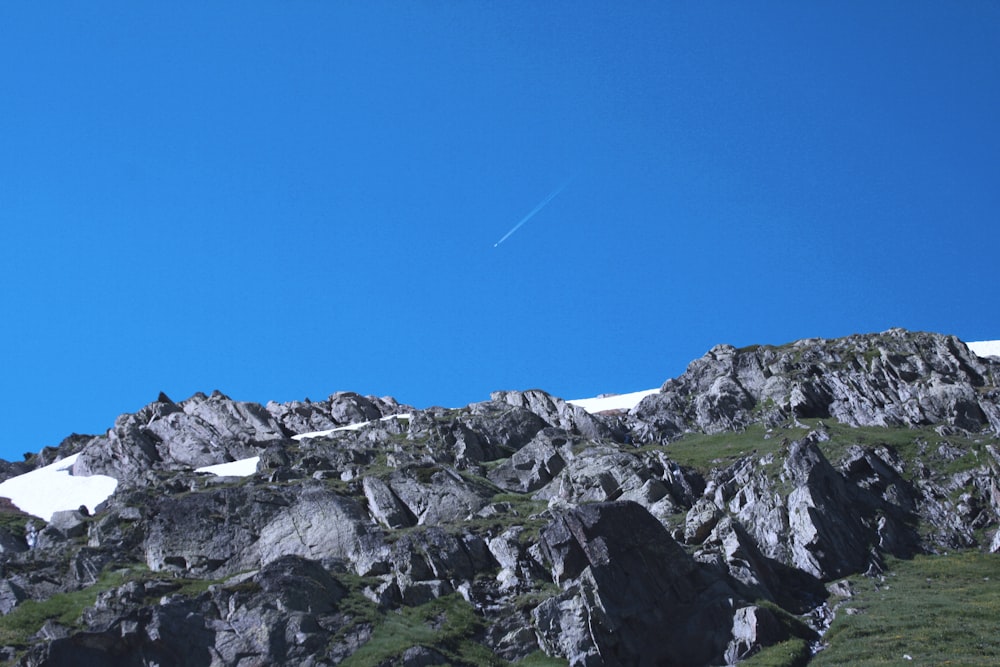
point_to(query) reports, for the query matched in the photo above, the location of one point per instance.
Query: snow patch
(985, 348)
(48, 490)
(350, 427)
(613, 402)
(247, 467)
(241, 468)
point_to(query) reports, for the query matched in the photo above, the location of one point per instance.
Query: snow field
(47, 490)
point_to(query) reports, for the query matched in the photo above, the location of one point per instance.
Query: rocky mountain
(715, 519)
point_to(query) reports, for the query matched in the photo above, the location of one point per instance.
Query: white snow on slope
(613, 402)
(241, 468)
(985, 348)
(349, 427)
(247, 467)
(50, 489)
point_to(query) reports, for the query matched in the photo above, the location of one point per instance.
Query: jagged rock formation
(894, 378)
(519, 525)
(631, 594)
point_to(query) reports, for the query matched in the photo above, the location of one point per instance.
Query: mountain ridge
(760, 477)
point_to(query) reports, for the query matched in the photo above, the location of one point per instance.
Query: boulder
(437, 494)
(339, 409)
(535, 464)
(295, 583)
(67, 524)
(384, 506)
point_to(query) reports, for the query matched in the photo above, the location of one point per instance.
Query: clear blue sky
(286, 199)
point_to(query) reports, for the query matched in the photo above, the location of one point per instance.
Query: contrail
(533, 212)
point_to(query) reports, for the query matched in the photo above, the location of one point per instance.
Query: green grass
(794, 652)
(355, 604)
(939, 610)
(28, 617)
(448, 625)
(14, 520)
(521, 504)
(705, 452)
(791, 653)
(517, 509)
(17, 627)
(539, 659)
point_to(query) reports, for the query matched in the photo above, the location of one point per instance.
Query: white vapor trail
(535, 210)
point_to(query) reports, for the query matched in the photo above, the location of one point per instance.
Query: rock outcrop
(631, 594)
(201, 431)
(895, 378)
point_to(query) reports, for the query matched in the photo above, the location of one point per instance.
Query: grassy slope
(939, 610)
(704, 452)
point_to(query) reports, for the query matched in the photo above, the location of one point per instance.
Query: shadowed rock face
(237, 529)
(519, 524)
(632, 594)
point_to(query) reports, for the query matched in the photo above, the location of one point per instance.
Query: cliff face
(520, 526)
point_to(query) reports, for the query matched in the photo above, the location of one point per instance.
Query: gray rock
(201, 431)
(384, 506)
(421, 656)
(227, 530)
(507, 550)
(432, 554)
(298, 584)
(863, 380)
(339, 409)
(828, 539)
(10, 543)
(753, 628)
(438, 494)
(511, 637)
(604, 472)
(11, 595)
(535, 464)
(411, 505)
(67, 524)
(632, 595)
(502, 428)
(172, 633)
(556, 412)
(700, 521)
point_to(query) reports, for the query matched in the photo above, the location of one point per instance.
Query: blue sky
(287, 199)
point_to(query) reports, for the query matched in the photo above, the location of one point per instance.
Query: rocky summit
(722, 519)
